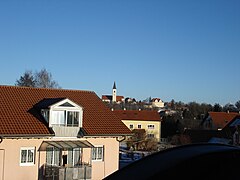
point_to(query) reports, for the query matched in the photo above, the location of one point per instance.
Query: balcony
(65, 131)
(80, 172)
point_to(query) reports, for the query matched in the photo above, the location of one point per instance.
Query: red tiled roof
(109, 97)
(119, 98)
(142, 115)
(221, 119)
(154, 99)
(18, 116)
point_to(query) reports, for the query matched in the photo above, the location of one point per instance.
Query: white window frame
(140, 126)
(76, 156)
(73, 108)
(130, 126)
(65, 116)
(31, 163)
(97, 153)
(55, 161)
(57, 120)
(151, 126)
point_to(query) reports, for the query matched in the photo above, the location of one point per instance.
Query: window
(150, 135)
(66, 104)
(75, 156)
(65, 118)
(45, 113)
(58, 118)
(72, 118)
(139, 126)
(97, 153)
(131, 126)
(150, 126)
(27, 156)
(53, 156)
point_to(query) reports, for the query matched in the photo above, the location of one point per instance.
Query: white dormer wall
(62, 130)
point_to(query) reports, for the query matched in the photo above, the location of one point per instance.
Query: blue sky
(183, 50)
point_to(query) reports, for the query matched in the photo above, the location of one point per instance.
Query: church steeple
(114, 85)
(114, 93)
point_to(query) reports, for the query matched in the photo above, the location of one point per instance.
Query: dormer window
(66, 113)
(61, 112)
(65, 118)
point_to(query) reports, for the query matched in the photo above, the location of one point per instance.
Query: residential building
(201, 135)
(157, 102)
(150, 121)
(217, 120)
(232, 130)
(57, 134)
(216, 127)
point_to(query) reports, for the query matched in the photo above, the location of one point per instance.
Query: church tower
(114, 93)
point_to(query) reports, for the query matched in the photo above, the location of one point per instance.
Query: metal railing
(81, 172)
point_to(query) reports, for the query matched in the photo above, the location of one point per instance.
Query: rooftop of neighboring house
(19, 115)
(156, 100)
(200, 136)
(140, 115)
(221, 119)
(109, 97)
(234, 122)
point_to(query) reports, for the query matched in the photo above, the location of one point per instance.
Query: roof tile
(221, 119)
(142, 115)
(18, 116)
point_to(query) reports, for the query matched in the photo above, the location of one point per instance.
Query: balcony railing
(65, 131)
(68, 173)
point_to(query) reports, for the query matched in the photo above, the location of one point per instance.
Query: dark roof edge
(26, 135)
(140, 120)
(106, 135)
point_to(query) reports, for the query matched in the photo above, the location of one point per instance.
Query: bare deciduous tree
(44, 79)
(41, 79)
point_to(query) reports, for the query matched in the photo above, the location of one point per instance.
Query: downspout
(40, 171)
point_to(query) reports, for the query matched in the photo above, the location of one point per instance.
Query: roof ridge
(50, 89)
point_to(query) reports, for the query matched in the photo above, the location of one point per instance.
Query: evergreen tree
(27, 80)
